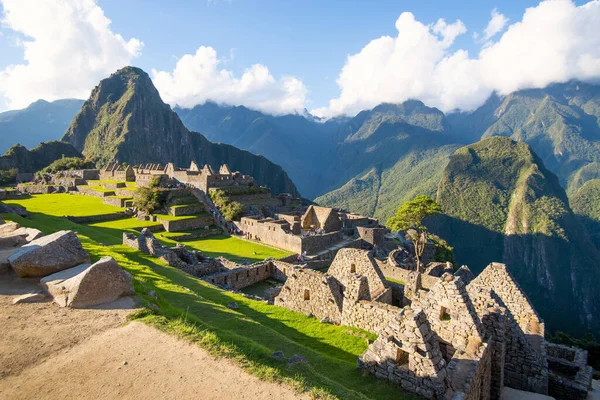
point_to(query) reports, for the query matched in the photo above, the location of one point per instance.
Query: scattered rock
(278, 355)
(147, 232)
(125, 363)
(9, 227)
(88, 285)
(49, 254)
(325, 320)
(233, 305)
(6, 209)
(4, 254)
(30, 234)
(11, 240)
(36, 297)
(152, 294)
(309, 315)
(297, 359)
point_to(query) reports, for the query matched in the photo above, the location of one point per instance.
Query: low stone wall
(191, 209)
(113, 185)
(116, 201)
(42, 189)
(243, 276)
(570, 377)
(198, 235)
(124, 192)
(402, 275)
(314, 244)
(10, 194)
(86, 191)
(188, 224)
(97, 218)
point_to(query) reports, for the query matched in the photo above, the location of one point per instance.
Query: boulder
(233, 305)
(147, 232)
(88, 285)
(4, 254)
(12, 241)
(19, 237)
(278, 355)
(30, 234)
(297, 359)
(7, 209)
(8, 228)
(36, 297)
(49, 254)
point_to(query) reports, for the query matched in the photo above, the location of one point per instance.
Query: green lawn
(197, 311)
(258, 289)
(395, 281)
(230, 247)
(61, 204)
(167, 217)
(99, 181)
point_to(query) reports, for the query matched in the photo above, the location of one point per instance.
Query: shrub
(149, 199)
(8, 176)
(64, 164)
(232, 211)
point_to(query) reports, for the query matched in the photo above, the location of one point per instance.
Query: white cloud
(68, 48)
(198, 78)
(554, 42)
(496, 24)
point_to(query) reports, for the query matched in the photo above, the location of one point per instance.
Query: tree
(149, 199)
(409, 218)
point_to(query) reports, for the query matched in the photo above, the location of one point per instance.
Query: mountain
(388, 155)
(299, 144)
(37, 158)
(125, 119)
(40, 122)
(502, 204)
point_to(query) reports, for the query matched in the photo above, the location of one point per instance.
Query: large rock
(88, 285)
(8, 228)
(4, 254)
(48, 255)
(19, 237)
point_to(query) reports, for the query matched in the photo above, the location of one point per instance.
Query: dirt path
(51, 352)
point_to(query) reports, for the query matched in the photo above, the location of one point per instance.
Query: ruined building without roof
(451, 340)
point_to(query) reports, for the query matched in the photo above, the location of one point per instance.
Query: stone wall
(116, 201)
(570, 377)
(470, 375)
(402, 275)
(407, 354)
(187, 224)
(190, 209)
(272, 232)
(243, 276)
(97, 218)
(315, 244)
(349, 263)
(373, 236)
(312, 292)
(358, 312)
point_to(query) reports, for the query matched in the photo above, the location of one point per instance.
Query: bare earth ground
(52, 352)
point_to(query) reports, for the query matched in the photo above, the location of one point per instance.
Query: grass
(185, 205)
(230, 247)
(395, 281)
(196, 311)
(61, 204)
(101, 189)
(167, 217)
(258, 289)
(100, 181)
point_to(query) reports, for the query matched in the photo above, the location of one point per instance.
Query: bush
(443, 251)
(8, 176)
(232, 211)
(149, 199)
(65, 164)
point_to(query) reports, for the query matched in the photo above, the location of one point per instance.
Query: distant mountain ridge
(501, 203)
(125, 119)
(41, 121)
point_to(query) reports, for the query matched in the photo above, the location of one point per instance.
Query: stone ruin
(190, 261)
(451, 340)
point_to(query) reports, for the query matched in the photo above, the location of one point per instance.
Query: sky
(329, 57)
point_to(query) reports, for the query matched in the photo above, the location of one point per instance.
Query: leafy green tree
(232, 211)
(409, 218)
(149, 199)
(8, 176)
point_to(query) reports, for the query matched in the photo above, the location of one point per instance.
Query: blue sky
(307, 40)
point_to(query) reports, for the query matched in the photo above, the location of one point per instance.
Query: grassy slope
(230, 247)
(60, 204)
(193, 309)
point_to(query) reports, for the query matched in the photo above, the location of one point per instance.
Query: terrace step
(186, 209)
(179, 224)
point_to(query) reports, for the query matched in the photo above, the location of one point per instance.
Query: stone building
(117, 172)
(144, 174)
(451, 340)
(207, 178)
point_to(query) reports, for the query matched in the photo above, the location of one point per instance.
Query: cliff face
(503, 204)
(125, 119)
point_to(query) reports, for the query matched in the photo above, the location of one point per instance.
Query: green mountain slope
(41, 121)
(503, 204)
(125, 119)
(37, 158)
(297, 143)
(386, 156)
